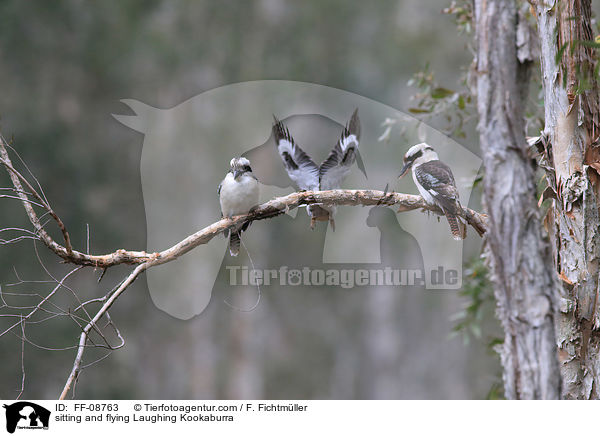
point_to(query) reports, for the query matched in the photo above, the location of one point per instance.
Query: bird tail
(234, 243)
(457, 226)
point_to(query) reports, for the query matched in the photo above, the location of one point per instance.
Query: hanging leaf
(438, 93)
(418, 110)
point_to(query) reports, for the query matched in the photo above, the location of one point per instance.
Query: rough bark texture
(518, 257)
(569, 147)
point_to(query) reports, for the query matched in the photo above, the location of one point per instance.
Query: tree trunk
(520, 262)
(570, 149)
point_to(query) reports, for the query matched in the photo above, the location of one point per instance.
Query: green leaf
(587, 43)
(461, 102)
(438, 93)
(418, 110)
(495, 341)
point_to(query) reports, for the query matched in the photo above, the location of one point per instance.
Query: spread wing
(337, 165)
(299, 166)
(437, 178)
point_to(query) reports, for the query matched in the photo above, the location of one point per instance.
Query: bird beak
(404, 169)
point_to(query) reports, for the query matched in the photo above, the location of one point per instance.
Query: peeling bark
(570, 144)
(518, 256)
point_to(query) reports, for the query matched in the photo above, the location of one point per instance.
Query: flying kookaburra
(310, 177)
(436, 185)
(238, 193)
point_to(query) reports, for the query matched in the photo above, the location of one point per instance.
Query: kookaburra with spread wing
(310, 177)
(238, 194)
(436, 185)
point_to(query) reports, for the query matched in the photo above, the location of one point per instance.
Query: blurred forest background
(65, 65)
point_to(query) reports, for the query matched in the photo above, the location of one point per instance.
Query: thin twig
(45, 299)
(22, 361)
(17, 180)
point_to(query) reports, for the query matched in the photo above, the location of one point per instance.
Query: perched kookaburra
(310, 177)
(238, 193)
(436, 185)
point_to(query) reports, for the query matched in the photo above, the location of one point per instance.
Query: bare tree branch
(270, 209)
(84, 334)
(16, 179)
(22, 361)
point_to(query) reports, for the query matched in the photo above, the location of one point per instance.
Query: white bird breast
(238, 196)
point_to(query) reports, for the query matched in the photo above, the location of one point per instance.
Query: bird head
(417, 153)
(239, 166)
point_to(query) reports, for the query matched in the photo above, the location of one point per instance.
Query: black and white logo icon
(26, 415)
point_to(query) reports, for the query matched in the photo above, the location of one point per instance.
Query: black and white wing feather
(437, 178)
(299, 166)
(341, 158)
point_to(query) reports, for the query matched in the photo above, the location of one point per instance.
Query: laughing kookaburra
(310, 177)
(436, 185)
(238, 193)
